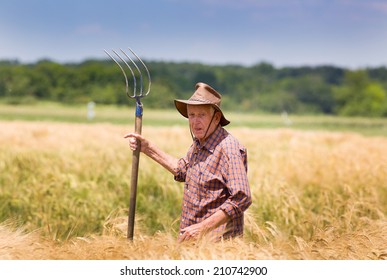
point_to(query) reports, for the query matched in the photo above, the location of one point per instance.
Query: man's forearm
(167, 161)
(215, 220)
(209, 224)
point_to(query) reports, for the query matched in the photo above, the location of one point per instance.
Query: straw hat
(204, 94)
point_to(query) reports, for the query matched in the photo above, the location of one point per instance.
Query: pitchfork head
(124, 61)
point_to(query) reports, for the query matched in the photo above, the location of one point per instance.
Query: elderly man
(214, 170)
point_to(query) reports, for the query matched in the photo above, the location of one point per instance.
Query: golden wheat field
(64, 191)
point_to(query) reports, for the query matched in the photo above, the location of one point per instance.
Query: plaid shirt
(215, 177)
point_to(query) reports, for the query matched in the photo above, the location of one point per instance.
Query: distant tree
(310, 93)
(260, 87)
(359, 96)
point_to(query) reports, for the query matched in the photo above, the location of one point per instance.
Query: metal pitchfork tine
(137, 124)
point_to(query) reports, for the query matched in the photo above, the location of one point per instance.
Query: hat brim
(181, 106)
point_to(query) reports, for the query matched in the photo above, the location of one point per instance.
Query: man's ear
(218, 116)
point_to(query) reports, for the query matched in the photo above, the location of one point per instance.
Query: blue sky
(345, 33)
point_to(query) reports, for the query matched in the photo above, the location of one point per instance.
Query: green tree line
(258, 88)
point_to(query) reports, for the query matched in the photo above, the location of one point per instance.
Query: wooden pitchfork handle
(138, 122)
(134, 176)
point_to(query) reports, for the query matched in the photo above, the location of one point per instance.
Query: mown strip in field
(153, 117)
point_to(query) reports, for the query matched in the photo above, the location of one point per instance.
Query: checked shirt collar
(212, 140)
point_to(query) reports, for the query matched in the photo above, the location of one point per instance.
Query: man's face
(199, 117)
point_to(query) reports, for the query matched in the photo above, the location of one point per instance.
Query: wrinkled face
(199, 117)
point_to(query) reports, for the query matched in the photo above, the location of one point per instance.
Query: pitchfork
(125, 63)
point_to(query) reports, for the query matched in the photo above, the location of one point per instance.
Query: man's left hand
(192, 232)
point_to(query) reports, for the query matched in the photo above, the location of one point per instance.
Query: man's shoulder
(230, 142)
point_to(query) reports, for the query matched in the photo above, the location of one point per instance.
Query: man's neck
(203, 141)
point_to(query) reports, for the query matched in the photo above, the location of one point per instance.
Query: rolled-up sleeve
(182, 166)
(235, 173)
(181, 170)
